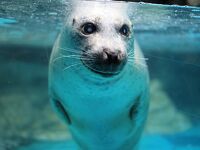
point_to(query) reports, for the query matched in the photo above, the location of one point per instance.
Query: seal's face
(102, 39)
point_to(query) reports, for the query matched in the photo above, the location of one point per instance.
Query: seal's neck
(98, 79)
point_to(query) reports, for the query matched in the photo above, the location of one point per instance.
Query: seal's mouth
(104, 64)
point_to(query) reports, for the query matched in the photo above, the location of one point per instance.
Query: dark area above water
(170, 2)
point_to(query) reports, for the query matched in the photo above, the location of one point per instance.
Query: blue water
(169, 37)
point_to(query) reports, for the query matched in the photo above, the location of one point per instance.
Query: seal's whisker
(143, 65)
(69, 50)
(139, 58)
(64, 57)
(130, 56)
(71, 56)
(73, 50)
(133, 56)
(140, 64)
(76, 52)
(76, 56)
(71, 66)
(131, 62)
(89, 66)
(130, 53)
(83, 58)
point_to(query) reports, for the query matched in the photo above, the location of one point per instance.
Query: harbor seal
(98, 79)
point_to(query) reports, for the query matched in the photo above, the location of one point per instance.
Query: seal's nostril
(105, 56)
(120, 56)
(112, 57)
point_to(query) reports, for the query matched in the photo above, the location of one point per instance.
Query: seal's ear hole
(134, 108)
(61, 110)
(73, 21)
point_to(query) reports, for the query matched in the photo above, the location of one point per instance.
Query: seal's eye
(88, 28)
(125, 30)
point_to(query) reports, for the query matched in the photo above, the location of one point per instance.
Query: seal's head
(102, 36)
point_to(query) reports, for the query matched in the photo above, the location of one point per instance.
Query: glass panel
(169, 37)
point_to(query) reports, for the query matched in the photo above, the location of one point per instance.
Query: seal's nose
(107, 61)
(112, 57)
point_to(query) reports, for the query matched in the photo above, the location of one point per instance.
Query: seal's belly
(111, 114)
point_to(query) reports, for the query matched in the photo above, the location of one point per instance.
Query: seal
(98, 79)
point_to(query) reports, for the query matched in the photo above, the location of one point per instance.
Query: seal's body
(98, 81)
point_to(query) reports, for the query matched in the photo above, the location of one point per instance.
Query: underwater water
(169, 37)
